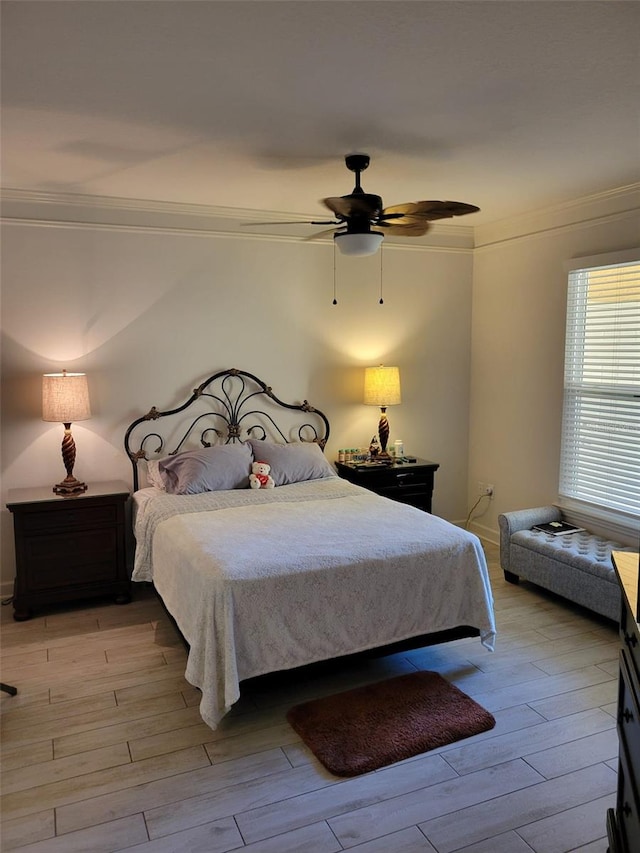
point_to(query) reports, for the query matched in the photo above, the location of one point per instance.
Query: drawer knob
(627, 715)
(631, 640)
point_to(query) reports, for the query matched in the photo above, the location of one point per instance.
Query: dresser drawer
(628, 711)
(80, 516)
(627, 810)
(629, 637)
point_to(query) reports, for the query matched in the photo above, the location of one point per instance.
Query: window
(600, 456)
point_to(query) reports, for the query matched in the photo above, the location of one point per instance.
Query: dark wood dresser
(623, 822)
(68, 547)
(407, 482)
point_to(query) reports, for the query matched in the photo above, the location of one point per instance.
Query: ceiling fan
(357, 213)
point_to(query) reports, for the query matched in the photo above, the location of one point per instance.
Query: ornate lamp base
(383, 432)
(70, 486)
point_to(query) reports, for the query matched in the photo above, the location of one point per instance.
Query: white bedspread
(265, 580)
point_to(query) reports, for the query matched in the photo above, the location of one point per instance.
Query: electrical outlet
(485, 489)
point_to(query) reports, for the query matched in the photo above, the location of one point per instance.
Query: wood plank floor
(103, 748)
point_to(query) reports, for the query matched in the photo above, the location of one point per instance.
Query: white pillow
(154, 478)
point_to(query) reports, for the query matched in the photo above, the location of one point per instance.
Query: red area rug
(370, 727)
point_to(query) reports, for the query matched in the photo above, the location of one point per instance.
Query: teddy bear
(260, 478)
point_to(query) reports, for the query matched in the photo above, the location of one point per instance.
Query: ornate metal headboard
(229, 406)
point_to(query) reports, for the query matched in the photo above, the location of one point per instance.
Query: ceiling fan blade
(357, 204)
(408, 226)
(319, 234)
(295, 222)
(338, 205)
(430, 210)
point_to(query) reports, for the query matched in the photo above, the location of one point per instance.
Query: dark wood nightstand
(407, 482)
(69, 547)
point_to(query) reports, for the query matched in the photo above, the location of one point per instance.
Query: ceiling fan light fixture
(359, 245)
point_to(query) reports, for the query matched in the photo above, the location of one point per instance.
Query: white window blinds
(600, 457)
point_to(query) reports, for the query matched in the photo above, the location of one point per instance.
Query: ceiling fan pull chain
(381, 300)
(335, 301)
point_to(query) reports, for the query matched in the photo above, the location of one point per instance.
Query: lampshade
(65, 397)
(359, 244)
(382, 386)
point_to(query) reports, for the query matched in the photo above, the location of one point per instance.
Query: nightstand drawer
(68, 518)
(398, 478)
(55, 561)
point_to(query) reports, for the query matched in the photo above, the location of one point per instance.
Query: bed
(270, 579)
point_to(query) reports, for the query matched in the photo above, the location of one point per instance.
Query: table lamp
(382, 388)
(65, 399)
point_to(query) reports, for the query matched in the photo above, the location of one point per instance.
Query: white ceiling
(512, 106)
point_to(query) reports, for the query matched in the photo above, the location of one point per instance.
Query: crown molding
(617, 203)
(83, 201)
(69, 209)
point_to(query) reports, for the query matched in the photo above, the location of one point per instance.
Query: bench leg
(510, 577)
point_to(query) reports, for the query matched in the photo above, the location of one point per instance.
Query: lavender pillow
(212, 469)
(292, 463)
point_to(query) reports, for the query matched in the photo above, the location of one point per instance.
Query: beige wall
(148, 313)
(151, 302)
(517, 348)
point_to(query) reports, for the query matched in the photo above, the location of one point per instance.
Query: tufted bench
(577, 566)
